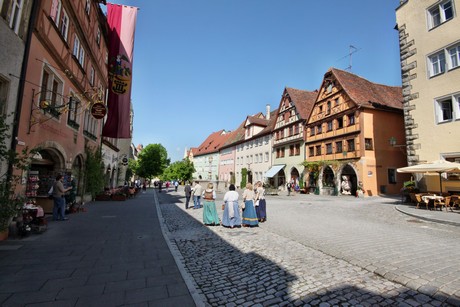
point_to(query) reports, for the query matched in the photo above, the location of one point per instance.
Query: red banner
(122, 23)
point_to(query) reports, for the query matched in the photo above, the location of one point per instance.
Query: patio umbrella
(438, 166)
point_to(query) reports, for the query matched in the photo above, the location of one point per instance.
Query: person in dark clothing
(188, 194)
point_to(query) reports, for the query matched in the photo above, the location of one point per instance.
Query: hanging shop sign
(98, 110)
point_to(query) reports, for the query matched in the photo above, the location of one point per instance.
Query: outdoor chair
(418, 200)
(443, 202)
(413, 199)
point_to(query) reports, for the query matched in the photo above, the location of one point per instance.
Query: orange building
(347, 137)
(66, 73)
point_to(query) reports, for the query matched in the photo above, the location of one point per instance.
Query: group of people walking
(248, 213)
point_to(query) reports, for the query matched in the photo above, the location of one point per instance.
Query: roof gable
(302, 100)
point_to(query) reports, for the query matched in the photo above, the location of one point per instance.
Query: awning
(274, 170)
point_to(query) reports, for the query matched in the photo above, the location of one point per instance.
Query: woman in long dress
(260, 203)
(231, 217)
(210, 216)
(249, 213)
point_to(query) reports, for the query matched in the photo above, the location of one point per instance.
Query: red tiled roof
(212, 143)
(235, 136)
(303, 100)
(368, 94)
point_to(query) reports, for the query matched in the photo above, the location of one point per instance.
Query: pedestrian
(210, 216)
(249, 213)
(260, 203)
(59, 199)
(176, 185)
(144, 187)
(197, 190)
(71, 198)
(160, 186)
(288, 187)
(167, 186)
(231, 217)
(188, 193)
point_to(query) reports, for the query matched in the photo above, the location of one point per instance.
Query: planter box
(119, 197)
(102, 197)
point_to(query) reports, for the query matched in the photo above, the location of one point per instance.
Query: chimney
(267, 115)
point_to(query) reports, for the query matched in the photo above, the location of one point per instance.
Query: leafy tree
(180, 170)
(152, 161)
(130, 170)
(244, 174)
(94, 171)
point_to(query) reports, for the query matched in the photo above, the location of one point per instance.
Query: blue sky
(204, 65)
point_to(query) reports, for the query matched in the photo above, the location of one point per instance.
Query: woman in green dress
(210, 216)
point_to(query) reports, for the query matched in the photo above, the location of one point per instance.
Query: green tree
(130, 170)
(152, 161)
(244, 174)
(180, 170)
(94, 171)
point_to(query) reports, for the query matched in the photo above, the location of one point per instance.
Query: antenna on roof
(352, 50)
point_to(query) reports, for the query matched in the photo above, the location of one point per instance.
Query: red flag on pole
(122, 22)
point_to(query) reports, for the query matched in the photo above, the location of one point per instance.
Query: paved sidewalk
(112, 255)
(444, 217)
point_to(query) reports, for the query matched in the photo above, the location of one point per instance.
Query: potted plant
(10, 161)
(119, 196)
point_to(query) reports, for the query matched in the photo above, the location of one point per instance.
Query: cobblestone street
(318, 251)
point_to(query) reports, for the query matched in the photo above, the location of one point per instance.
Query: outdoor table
(434, 197)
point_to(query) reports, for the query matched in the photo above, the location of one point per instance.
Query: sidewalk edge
(398, 208)
(177, 256)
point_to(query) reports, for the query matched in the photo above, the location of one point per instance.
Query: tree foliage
(94, 171)
(179, 170)
(244, 174)
(152, 161)
(10, 160)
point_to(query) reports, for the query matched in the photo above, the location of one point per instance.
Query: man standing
(197, 195)
(176, 185)
(59, 200)
(188, 193)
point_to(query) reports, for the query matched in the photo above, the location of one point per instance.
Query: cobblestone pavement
(318, 251)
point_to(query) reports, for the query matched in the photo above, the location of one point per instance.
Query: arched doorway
(294, 178)
(350, 174)
(328, 181)
(44, 167)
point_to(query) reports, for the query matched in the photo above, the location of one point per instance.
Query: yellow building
(348, 133)
(430, 67)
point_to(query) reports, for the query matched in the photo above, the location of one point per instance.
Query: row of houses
(54, 69)
(353, 129)
(315, 139)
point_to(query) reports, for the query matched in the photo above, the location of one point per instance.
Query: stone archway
(328, 181)
(295, 175)
(350, 172)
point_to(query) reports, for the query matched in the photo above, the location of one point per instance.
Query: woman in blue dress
(231, 217)
(210, 217)
(260, 203)
(249, 212)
